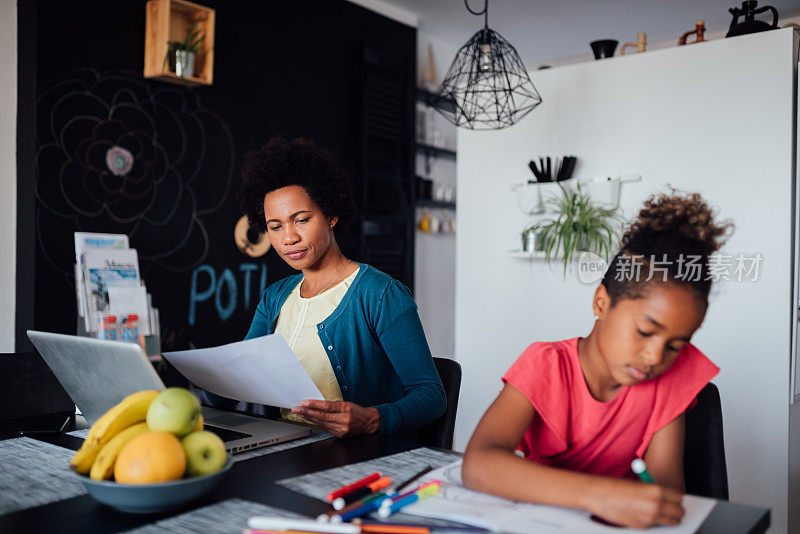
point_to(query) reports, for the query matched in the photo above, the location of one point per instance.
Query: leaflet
(263, 370)
(87, 240)
(104, 268)
(124, 301)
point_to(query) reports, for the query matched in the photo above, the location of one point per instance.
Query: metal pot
(181, 62)
(532, 242)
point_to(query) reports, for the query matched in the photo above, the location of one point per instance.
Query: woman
(355, 329)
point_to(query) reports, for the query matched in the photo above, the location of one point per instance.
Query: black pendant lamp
(487, 82)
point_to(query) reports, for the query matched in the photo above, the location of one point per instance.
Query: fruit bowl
(151, 498)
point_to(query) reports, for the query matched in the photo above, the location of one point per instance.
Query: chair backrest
(30, 388)
(704, 466)
(439, 433)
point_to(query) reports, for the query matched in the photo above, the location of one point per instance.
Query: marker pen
(638, 466)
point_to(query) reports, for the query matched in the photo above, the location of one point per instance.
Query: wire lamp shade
(487, 83)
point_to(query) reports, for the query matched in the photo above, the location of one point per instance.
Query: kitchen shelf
(430, 99)
(526, 255)
(169, 20)
(428, 203)
(535, 255)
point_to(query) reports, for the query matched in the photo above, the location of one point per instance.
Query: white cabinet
(717, 118)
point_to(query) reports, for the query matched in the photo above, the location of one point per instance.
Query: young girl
(583, 409)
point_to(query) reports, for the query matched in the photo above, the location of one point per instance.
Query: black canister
(604, 48)
(749, 11)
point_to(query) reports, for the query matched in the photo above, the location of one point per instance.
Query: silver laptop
(98, 374)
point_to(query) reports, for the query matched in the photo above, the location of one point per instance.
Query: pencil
(416, 477)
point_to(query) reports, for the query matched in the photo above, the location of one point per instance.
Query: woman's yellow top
(297, 323)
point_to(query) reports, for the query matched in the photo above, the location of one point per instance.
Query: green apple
(174, 410)
(205, 453)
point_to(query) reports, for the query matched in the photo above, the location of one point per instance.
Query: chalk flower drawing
(118, 154)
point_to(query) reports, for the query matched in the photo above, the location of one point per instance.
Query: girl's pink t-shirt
(575, 431)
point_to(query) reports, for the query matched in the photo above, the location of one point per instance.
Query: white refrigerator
(719, 118)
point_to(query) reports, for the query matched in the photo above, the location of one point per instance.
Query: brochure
(84, 241)
(104, 268)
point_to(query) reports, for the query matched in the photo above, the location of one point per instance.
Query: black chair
(32, 396)
(439, 433)
(704, 465)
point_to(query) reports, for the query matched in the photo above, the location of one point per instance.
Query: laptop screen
(30, 388)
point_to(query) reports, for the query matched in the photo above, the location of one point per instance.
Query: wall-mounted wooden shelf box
(169, 20)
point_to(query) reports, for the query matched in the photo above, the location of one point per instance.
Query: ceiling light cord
(485, 11)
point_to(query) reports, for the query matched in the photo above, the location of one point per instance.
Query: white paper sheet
(263, 370)
(456, 503)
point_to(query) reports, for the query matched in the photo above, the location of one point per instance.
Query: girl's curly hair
(281, 163)
(671, 240)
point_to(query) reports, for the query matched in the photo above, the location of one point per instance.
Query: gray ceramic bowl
(150, 498)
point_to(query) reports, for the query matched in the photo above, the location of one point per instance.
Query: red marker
(353, 496)
(341, 492)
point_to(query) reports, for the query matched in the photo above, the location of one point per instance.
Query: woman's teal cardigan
(376, 346)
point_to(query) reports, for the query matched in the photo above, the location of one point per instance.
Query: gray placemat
(34, 473)
(313, 438)
(226, 517)
(398, 467)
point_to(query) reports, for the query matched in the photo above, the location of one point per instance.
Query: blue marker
(357, 512)
(386, 511)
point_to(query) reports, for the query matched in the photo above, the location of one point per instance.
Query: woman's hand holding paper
(340, 418)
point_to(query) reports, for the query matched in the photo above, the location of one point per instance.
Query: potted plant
(181, 54)
(532, 240)
(578, 225)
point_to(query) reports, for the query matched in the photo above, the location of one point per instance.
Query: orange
(199, 425)
(150, 458)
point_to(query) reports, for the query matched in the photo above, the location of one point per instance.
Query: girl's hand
(340, 418)
(635, 504)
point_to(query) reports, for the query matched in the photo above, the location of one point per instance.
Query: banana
(132, 410)
(103, 466)
(82, 462)
(102, 423)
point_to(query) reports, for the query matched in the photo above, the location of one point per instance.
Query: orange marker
(341, 492)
(377, 528)
(360, 493)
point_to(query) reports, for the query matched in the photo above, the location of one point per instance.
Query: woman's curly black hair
(678, 231)
(281, 163)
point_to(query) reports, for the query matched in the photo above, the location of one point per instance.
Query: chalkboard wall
(291, 67)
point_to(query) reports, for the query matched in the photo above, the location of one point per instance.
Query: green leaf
(577, 223)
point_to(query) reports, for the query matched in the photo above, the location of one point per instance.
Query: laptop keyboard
(229, 420)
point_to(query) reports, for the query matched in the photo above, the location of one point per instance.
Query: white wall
(715, 118)
(8, 171)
